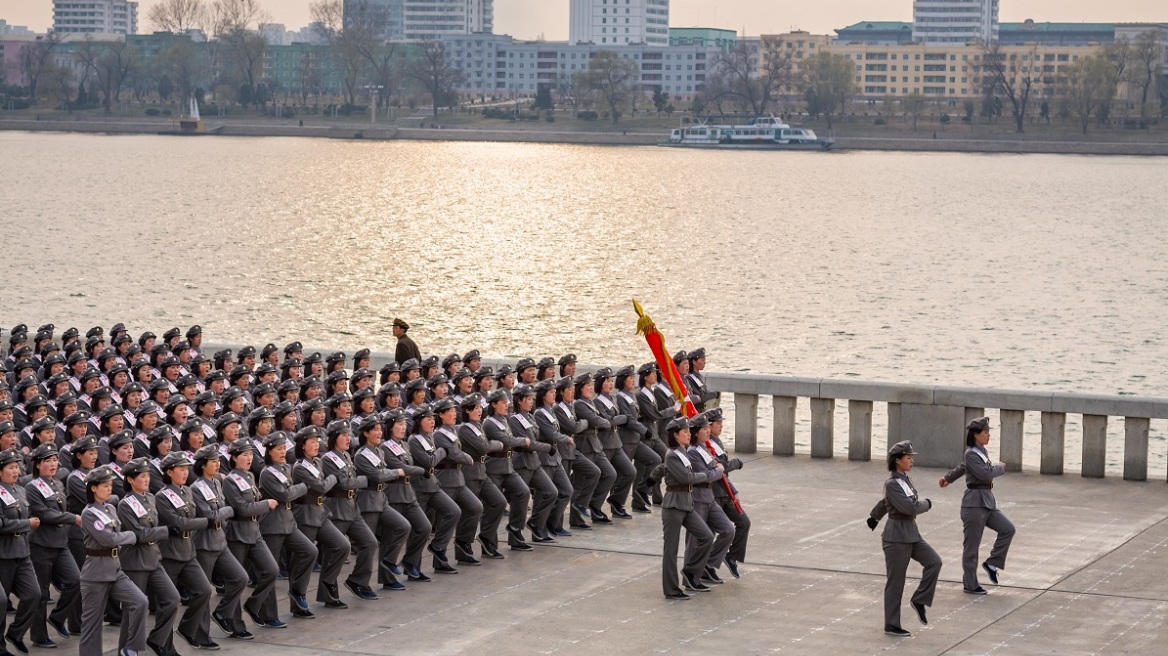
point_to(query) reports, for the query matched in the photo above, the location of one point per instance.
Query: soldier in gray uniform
(590, 446)
(737, 552)
(386, 523)
(610, 439)
(657, 410)
(17, 575)
(279, 529)
(400, 495)
(449, 514)
(501, 471)
(50, 545)
(312, 516)
(211, 546)
(243, 534)
(341, 502)
(695, 382)
(677, 510)
(102, 578)
(704, 501)
(979, 508)
(583, 474)
(176, 511)
(142, 561)
(528, 462)
(481, 502)
(635, 438)
(903, 541)
(552, 460)
(83, 457)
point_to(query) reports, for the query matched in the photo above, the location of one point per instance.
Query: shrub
(588, 116)
(153, 112)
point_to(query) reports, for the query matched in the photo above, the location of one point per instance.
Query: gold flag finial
(644, 321)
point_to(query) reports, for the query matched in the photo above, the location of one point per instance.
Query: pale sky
(528, 19)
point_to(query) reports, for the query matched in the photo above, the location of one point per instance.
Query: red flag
(672, 377)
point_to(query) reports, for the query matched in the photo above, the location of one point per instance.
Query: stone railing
(932, 417)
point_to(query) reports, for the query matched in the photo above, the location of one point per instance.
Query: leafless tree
(435, 73)
(111, 63)
(614, 78)
(178, 16)
(235, 23)
(756, 89)
(187, 67)
(1016, 80)
(329, 18)
(1148, 55)
(36, 59)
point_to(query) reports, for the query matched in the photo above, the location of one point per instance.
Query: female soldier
(192, 435)
(341, 502)
(464, 509)
(635, 438)
(176, 511)
(279, 528)
(705, 505)
(17, 576)
(161, 444)
(142, 560)
(402, 498)
(527, 462)
(364, 406)
(979, 509)
(737, 553)
(610, 440)
(677, 510)
(384, 522)
(243, 531)
(312, 518)
(552, 461)
(584, 475)
(903, 541)
(464, 478)
(461, 518)
(501, 471)
(51, 559)
(211, 547)
(102, 578)
(590, 446)
(83, 454)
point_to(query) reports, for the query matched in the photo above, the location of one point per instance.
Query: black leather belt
(448, 465)
(102, 553)
(705, 485)
(243, 519)
(679, 488)
(310, 501)
(343, 494)
(980, 486)
(896, 515)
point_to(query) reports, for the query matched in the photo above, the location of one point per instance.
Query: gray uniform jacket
(459, 465)
(176, 511)
(426, 456)
(702, 461)
(679, 472)
(695, 384)
(606, 407)
(75, 496)
(210, 505)
(903, 504)
(311, 511)
(549, 433)
(242, 494)
(397, 456)
(368, 461)
(979, 475)
(499, 464)
(632, 431)
(571, 426)
(665, 402)
(276, 483)
(588, 442)
(100, 526)
(730, 465)
(14, 524)
(341, 501)
(46, 500)
(522, 426)
(477, 446)
(139, 516)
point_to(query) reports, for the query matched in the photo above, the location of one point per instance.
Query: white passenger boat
(759, 133)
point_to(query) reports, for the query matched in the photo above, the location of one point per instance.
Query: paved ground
(1087, 575)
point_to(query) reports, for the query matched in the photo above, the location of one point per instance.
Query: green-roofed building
(1029, 31)
(707, 37)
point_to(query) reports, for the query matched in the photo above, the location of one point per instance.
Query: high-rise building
(619, 22)
(955, 21)
(95, 17)
(431, 19)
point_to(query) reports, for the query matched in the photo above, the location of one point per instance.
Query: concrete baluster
(860, 430)
(1054, 433)
(971, 414)
(745, 423)
(1010, 445)
(822, 428)
(1094, 446)
(1135, 448)
(783, 443)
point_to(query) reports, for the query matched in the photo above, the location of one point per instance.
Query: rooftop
(1023, 26)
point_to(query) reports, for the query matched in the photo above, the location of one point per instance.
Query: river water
(1032, 272)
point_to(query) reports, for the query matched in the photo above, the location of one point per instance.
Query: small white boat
(759, 133)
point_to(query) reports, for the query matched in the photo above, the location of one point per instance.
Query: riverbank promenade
(1086, 575)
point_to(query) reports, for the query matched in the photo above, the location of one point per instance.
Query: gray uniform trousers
(518, 496)
(301, 557)
(625, 472)
(258, 558)
(543, 493)
(584, 476)
(717, 521)
(391, 530)
(896, 557)
(976, 521)
(644, 459)
(18, 577)
(94, 595)
(334, 549)
(563, 486)
(157, 586)
(55, 564)
(366, 545)
(189, 574)
(222, 566)
(447, 517)
(672, 521)
(492, 501)
(420, 528)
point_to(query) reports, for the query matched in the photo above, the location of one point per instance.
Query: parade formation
(143, 476)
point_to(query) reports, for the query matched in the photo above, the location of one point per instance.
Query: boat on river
(759, 133)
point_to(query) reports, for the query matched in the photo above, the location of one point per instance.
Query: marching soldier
(449, 513)
(528, 462)
(704, 502)
(400, 494)
(17, 576)
(583, 474)
(341, 502)
(142, 560)
(590, 446)
(279, 528)
(677, 510)
(501, 470)
(312, 517)
(243, 534)
(51, 559)
(552, 460)
(635, 437)
(484, 502)
(610, 439)
(737, 552)
(695, 381)
(177, 512)
(384, 522)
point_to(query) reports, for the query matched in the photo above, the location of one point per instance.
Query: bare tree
(739, 78)
(329, 18)
(1089, 87)
(614, 78)
(1016, 80)
(830, 82)
(111, 63)
(434, 71)
(308, 78)
(913, 105)
(235, 23)
(567, 92)
(178, 16)
(1147, 58)
(186, 67)
(36, 60)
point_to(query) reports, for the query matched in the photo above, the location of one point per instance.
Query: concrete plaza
(1086, 575)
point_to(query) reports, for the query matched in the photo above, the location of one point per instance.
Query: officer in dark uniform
(406, 348)
(50, 545)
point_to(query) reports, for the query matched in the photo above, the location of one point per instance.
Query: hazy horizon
(530, 19)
